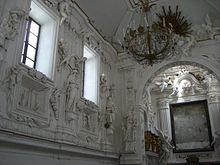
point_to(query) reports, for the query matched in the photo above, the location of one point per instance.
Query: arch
(164, 66)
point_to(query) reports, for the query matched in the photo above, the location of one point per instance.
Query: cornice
(17, 139)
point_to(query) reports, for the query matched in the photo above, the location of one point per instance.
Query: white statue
(216, 140)
(150, 117)
(103, 83)
(73, 62)
(9, 30)
(3, 33)
(165, 145)
(24, 98)
(146, 102)
(110, 111)
(163, 83)
(189, 41)
(66, 60)
(35, 102)
(185, 86)
(130, 94)
(147, 92)
(63, 54)
(175, 86)
(131, 123)
(86, 121)
(209, 27)
(13, 22)
(13, 78)
(54, 102)
(62, 49)
(207, 78)
(72, 87)
(64, 9)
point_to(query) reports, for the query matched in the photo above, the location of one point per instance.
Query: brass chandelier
(151, 42)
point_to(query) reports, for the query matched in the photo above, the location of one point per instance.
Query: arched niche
(197, 82)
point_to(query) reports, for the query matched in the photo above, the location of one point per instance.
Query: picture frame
(190, 124)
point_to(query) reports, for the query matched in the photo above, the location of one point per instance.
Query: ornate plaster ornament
(166, 145)
(62, 51)
(37, 75)
(72, 62)
(55, 102)
(110, 111)
(128, 127)
(71, 86)
(9, 26)
(216, 141)
(8, 30)
(64, 9)
(50, 3)
(205, 31)
(103, 84)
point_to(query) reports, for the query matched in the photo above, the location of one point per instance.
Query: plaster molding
(9, 26)
(49, 3)
(213, 98)
(54, 146)
(55, 102)
(87, 22)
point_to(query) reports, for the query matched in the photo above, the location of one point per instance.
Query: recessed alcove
(181, 93)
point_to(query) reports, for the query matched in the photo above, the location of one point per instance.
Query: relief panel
(32, 99)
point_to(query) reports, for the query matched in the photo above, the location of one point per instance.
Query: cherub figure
(209, 27)
(163, 83)
(103, 83)
(3, 33)
(14, 19)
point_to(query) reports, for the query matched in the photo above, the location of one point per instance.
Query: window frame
(97, 58)
(26, 42)
(48, 41)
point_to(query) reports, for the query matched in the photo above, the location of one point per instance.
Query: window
(39, 50)
(90, 77)
(30, 47)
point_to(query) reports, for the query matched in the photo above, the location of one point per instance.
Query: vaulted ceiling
(109, 17)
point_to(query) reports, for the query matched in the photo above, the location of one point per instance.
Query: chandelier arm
(149, 40)
(149, 44)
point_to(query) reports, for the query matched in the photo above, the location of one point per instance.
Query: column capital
(163, 103)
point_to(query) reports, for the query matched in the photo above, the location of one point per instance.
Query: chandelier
(149, 41)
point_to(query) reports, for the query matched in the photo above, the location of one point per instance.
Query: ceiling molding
(91, 26)
(213, 5)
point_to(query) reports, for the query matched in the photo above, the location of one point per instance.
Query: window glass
(34, 28)
(30, 46)
(31, 52)
(33, 40)
(90, 88)
(29, 63)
